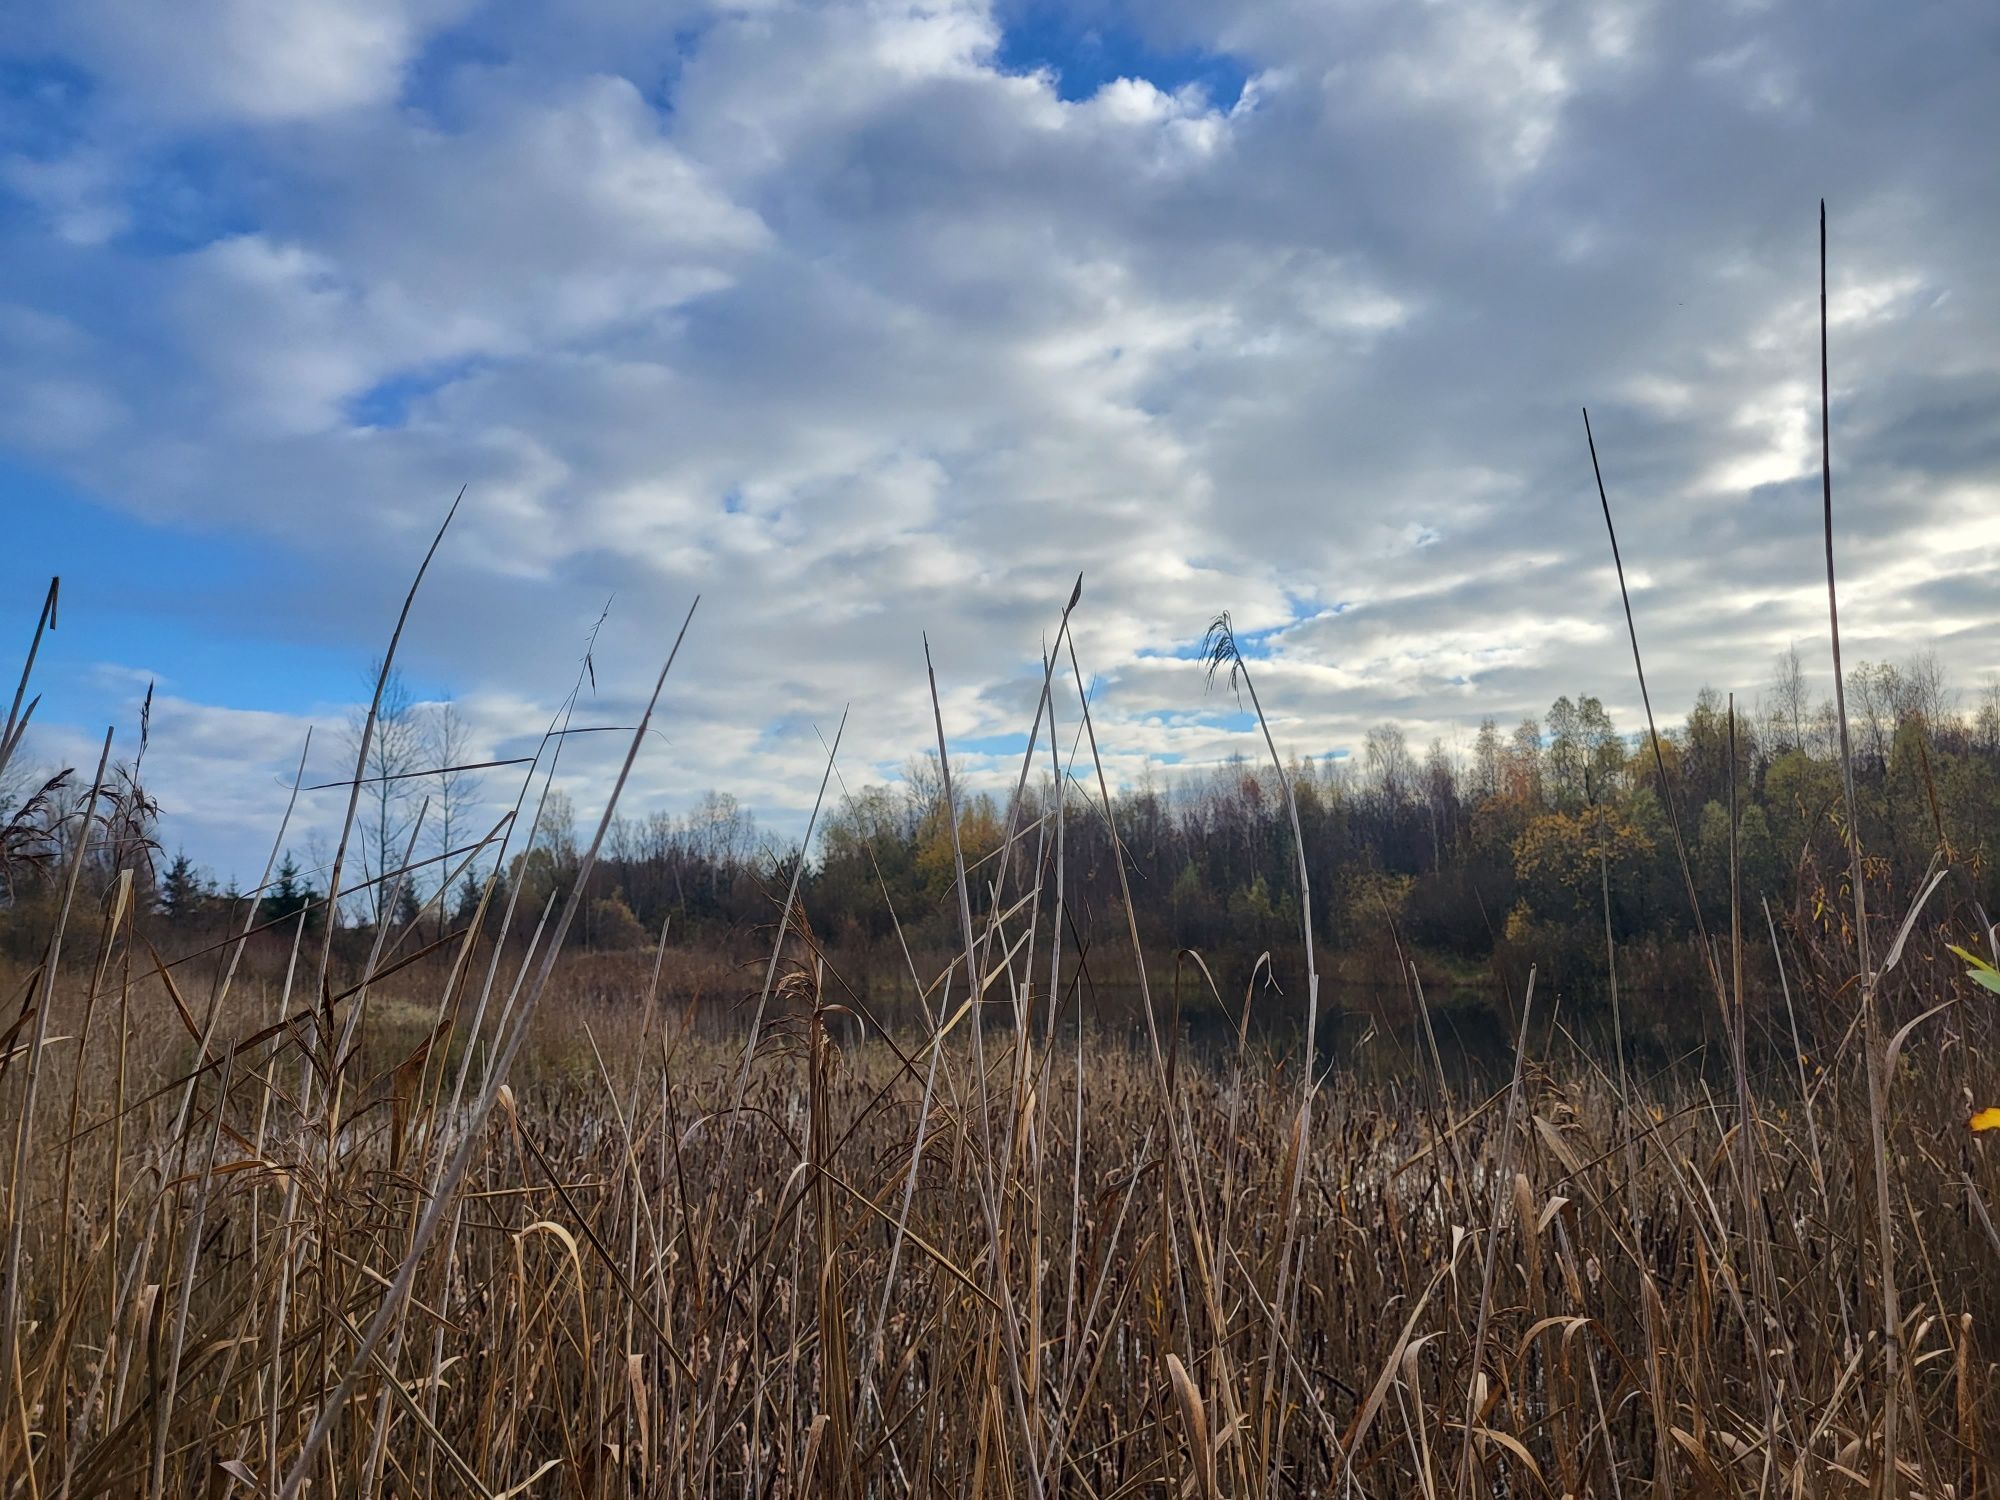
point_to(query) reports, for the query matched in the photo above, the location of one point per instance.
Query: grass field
(412, 1215)
(402, 1212)
(864, 1265)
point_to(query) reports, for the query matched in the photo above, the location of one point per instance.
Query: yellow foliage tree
(979, 835)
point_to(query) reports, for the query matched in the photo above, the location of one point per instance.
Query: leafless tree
(1441, 800)
(1924, 692)
(448, 748)
(395, 753)
(1873, 691)
(1788, 702)
(1391, 767)
(555, 829)
(1486, 758)
(721, 832)
(1986, 721)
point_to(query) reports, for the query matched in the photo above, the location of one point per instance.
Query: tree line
(1529, 839)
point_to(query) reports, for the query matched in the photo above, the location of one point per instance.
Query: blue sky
(139, 592)
(864, 319)
(1085, 47)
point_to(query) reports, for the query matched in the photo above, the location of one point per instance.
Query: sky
(871, 322)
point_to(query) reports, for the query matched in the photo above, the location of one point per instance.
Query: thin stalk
(1503, 1181)
(10, 1314)
(1871, 1025)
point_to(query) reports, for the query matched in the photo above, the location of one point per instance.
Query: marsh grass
(942, 1256)
(465, 1216)
(605, 1321)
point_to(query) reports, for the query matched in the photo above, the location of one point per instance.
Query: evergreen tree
(288, 896)
(407, 907)
(183, 892)
(468, 900)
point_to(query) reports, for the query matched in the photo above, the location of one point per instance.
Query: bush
(612, 925)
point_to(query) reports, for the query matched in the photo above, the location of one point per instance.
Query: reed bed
(444, 1219)
(432, 1220)
(662, 1278)
(416, 1218)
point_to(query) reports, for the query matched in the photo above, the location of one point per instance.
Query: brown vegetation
(417, 1210)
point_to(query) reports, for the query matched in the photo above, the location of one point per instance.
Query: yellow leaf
(1986, 1119)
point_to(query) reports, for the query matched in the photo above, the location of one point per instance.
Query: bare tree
(18, 782)
(1924, 692)
(395, 755)
(448, 748)
(1391, 767)
(1873, 691)
(1441, 799)
(922, 787)
(1486, 760)
(555, 829)
(1788, 702)
(1986, 721)
(722, 832)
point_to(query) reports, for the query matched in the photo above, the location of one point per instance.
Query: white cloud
(77, 191)
(219, 61)
(816, 310)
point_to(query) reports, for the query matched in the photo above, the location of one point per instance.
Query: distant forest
(1524, 842)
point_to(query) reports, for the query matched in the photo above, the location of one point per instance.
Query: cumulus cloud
(237, 61)
(851, 317)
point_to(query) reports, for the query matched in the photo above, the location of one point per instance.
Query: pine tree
(407, 908)
(288, 895)
(468, 900)
(183, 892)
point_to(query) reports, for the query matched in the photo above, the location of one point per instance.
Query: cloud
(213, 62)
(845, 316)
